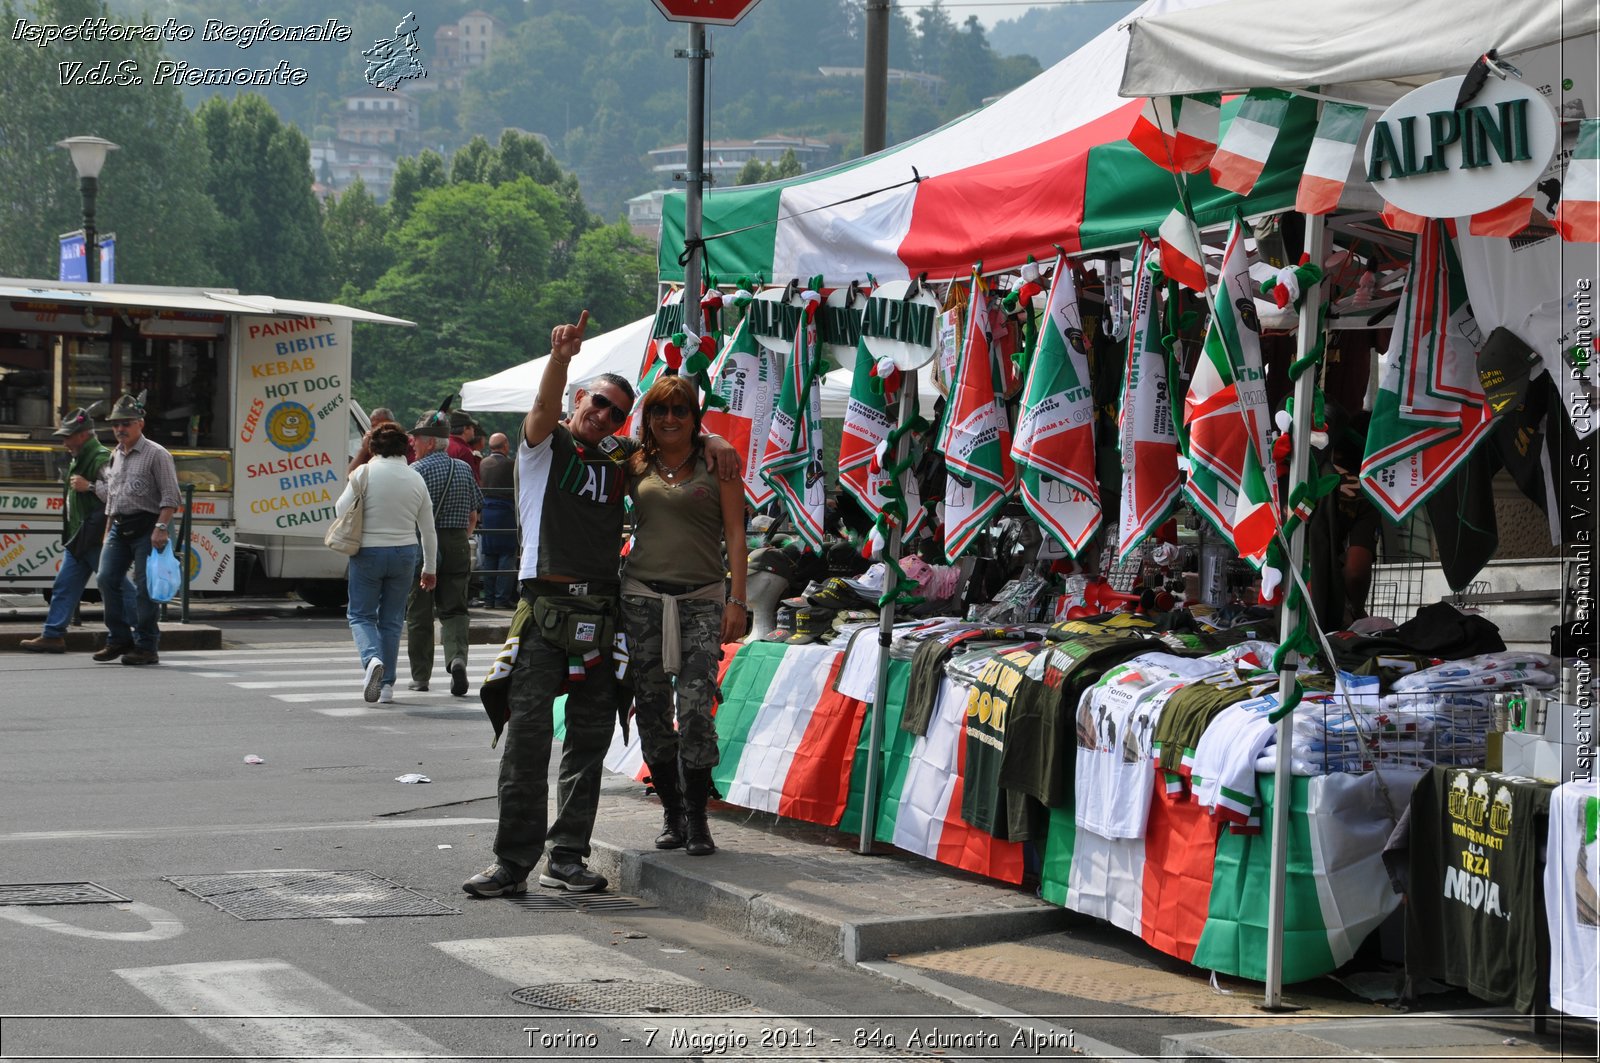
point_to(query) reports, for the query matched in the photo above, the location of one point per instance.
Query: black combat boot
(665, 782)
(696, 790)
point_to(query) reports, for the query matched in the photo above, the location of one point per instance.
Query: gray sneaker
(417, 684)
(574, 878)
(495, 880)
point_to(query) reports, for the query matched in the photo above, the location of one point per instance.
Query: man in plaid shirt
(457, 504)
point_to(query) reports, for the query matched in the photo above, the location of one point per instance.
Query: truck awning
(202, 300)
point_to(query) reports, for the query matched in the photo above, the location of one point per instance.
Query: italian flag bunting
(867, 424)
(1054, 445)
(1333, 149)
(746, 377)
(1178, 133)
(1244, 150)
(975, 436)
(1403, 221)
(1148, 438)
(792, 462)
(1181, 258)
(1226, 413)
(1578, 214)
(1430, 410)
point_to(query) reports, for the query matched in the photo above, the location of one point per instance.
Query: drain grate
(308, 895)
(58, 893)
(350, 769)
(627, 998)
(563, 901)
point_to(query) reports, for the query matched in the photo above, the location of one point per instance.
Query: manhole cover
(58, 893)
(308, 895)
(350, 769)
(627, 998)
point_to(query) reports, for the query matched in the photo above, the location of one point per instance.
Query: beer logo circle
(290, 426)
(191, 565)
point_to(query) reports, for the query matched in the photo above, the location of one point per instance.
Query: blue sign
(74, 267)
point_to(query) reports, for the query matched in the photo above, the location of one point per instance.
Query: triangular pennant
(1148, 437)
(975, 437)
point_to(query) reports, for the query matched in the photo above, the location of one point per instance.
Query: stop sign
(716, 12)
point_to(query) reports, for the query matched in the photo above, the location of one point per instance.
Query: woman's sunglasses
(618, 414)
(677, 409)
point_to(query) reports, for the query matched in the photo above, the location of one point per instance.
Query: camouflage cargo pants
(695, 738)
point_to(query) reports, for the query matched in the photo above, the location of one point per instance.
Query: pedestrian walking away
(497, 534)
(83, 526)
(457, 503)
(397, 513)
(571, 481)
(678, 606)
(140, 493)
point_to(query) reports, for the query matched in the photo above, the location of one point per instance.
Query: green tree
(412, 178)
(260, 178)
(613, 276)
(356, 225)
(753, 172)
(152, 191)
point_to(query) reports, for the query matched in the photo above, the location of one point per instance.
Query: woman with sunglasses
(678, 610)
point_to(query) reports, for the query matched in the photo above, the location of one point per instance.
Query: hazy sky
(988, 11)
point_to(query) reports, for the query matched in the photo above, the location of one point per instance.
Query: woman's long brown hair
(664, 392)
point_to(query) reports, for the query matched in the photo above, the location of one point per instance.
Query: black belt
(542, 588)
(674, 589)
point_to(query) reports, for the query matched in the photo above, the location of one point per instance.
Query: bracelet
(739, 602)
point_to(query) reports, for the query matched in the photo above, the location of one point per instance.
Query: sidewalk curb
(670, 880)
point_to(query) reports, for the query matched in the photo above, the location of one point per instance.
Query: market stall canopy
(619, 351)
(202, 300)
(1045, 164)
(1373, 49)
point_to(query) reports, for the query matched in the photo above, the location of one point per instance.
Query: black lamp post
(88, 156)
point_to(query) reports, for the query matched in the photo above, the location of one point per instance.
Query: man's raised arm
(565, 342)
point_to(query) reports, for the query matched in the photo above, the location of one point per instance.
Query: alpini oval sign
(1429, 158)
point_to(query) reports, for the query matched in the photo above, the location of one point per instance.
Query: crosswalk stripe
(309, 699)
(278, 996)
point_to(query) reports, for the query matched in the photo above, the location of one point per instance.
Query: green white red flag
(1246, 146)
(1054, 445)
(1181, 258)
(1226, 414)
(867, 424)
(1430, 411)
(792, 462)
(1178, 133)
(1578, 214)
(1333, 149)
(1148, 438)
(746, 376)
(975, 436)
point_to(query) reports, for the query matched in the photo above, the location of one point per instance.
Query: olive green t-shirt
(678, 528)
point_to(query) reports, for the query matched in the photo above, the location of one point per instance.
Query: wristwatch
(163, 527)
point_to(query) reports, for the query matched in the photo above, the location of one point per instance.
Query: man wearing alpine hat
(83, 525)
(141, 495)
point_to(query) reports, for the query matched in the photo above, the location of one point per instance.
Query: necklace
(667, 473)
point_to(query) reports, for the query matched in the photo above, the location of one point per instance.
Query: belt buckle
(578, 589)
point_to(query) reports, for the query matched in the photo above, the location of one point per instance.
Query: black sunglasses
(677, 409)
(618, 414)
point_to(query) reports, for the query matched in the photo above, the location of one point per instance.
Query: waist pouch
(579, 624)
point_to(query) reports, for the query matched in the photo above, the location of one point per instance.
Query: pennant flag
(653, 364)
(975, 437)
(867, 424)
(1430, 410)
(1508, 219)
(1578, 214)
(1181, 258)
(1148, 438)
(1333, 149)
(791, 464)
(784, 734)
(1054, 445)
(1178, 133)
(1403, 221)
(745, 375)
(1226, 412)
(1247, 144)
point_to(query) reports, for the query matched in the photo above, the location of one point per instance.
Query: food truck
(250, 393)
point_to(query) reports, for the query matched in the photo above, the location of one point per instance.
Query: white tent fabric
(1370, 49)
(619, 351)
(836, 391)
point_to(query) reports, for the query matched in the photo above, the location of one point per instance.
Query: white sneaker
(369, 692)
(386, 695)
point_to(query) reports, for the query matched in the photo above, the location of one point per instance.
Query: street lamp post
(88, 156)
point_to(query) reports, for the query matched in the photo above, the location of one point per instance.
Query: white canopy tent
(619, 351)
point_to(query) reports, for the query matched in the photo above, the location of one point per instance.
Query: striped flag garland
(1430, 410)
(1403, 221)
(1181, 258)
(1246, 146)
(746, 377)
(1178, 133)
(1578, 214)
(792, 463)
(1054, 446)
(975, 436)
(1148, 438)
(1327, 166)
(867, 424)
(1508, 219)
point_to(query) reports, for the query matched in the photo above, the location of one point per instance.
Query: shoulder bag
(344, 534)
